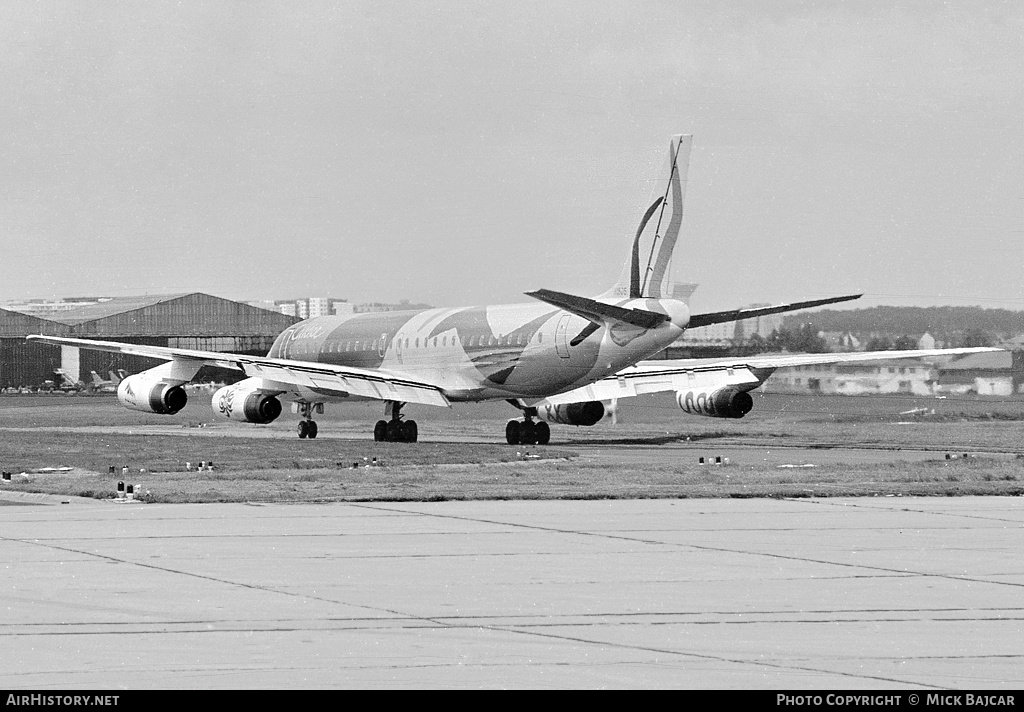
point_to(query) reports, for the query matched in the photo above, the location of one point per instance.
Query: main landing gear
(526, 431)
(394, 429)
(307, 426)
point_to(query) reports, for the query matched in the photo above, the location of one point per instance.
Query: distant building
(404, 305)
(267, 305)
(763, 326)
(910, 376)
(711, 335)
(309, 307)
(993, 373)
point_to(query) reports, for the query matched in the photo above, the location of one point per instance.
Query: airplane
(98, 385)
(556, 359)
(68, 383)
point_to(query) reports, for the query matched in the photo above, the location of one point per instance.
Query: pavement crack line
(702, 547)
(215, 579)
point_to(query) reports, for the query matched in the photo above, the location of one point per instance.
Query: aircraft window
(444, 341)
(519, 339)
(348, 345)
(417, 342)
(490, 341)
(540, 337)
(472, 341)
(435, 342)
(407, 343)
(357, 346)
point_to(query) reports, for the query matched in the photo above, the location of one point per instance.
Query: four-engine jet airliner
(556, 359)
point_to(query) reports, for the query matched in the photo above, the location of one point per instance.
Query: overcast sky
(462, 153)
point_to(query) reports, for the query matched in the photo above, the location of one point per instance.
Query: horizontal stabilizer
(738, 314)
(599, 312)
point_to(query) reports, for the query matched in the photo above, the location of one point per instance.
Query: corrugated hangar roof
(192, 314)
(109, 306)
(986, 359)
(16, 324)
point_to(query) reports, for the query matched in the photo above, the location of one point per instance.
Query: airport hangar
(191, 321)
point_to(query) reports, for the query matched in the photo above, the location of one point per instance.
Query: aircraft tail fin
(647, 272)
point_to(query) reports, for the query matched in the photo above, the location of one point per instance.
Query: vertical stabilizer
(647, 272)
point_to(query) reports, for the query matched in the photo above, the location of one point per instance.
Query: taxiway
(876, 593)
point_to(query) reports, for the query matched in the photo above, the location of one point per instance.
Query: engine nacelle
(588, 413)
(726, 402)
(151, 394)
(246, 404)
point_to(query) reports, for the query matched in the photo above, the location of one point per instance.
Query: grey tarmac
(872, 593)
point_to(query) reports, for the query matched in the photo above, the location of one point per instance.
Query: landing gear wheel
(527, 433)
(543, 433)
(409, 431)
(512, 432)
(380, 431)
(393, 431)
(303, 429)
(311, 429)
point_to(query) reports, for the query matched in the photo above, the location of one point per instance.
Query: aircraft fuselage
(483, 353)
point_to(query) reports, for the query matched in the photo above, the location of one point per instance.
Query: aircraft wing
(708, 374)
(366, 383)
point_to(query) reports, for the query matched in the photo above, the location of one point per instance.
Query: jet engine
(247, 404)
(152, 394)
(726, 402)
(588, 413)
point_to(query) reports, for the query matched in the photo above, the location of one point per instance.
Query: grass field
(460, 455)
